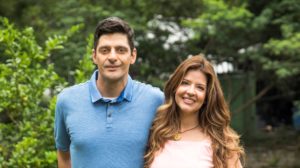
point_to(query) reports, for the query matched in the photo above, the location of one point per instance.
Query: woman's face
(190, 94)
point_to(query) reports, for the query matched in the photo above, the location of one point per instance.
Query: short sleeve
(62, 138)
(160, 96)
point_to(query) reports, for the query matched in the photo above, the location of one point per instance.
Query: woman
(192, 128)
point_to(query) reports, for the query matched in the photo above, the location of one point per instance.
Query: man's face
(113, 57)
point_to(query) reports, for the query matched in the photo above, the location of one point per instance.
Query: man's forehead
(115, 39)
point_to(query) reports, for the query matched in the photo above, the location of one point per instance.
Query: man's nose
(112, 55)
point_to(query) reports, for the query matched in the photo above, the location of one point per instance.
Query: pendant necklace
(177, 135)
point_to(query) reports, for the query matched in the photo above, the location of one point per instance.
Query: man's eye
(121, 50)
(104, 50)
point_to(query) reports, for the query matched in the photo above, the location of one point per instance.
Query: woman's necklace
(177, 135)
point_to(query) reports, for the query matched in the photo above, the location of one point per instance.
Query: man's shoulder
(147, 88)
(71, 91)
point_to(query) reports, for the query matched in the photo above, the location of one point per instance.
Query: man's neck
(111, 88)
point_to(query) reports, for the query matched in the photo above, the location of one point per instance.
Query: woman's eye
(184, 83)
(200, 88)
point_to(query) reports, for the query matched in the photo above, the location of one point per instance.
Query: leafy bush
(28, 83)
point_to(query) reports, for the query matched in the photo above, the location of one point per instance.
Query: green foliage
(286, 51)
(286, 46)
(28, 82)
(217, 27)
(86, 67)
(268, 41)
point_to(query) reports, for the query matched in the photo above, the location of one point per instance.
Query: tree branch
(255, 98)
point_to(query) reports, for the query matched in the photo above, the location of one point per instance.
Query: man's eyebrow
(105, 46)
(119, 46)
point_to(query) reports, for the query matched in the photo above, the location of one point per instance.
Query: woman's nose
(191, 90)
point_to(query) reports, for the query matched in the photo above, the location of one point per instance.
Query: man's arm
(63, 159)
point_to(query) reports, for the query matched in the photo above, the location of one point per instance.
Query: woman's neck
(188, 121)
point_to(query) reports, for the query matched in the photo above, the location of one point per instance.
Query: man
(105, 121)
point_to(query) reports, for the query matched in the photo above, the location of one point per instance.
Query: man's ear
(133, 56)
(94, 56)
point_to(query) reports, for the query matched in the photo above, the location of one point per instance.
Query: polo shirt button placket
(109, 116)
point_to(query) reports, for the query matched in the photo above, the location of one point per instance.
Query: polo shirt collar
(126, 93)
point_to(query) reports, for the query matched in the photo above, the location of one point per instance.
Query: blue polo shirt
(105, 133)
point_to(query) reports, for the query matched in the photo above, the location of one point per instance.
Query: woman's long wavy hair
(214, 116)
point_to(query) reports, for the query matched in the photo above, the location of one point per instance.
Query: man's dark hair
(113, 25)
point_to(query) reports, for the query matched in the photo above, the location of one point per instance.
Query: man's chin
(114, 77)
